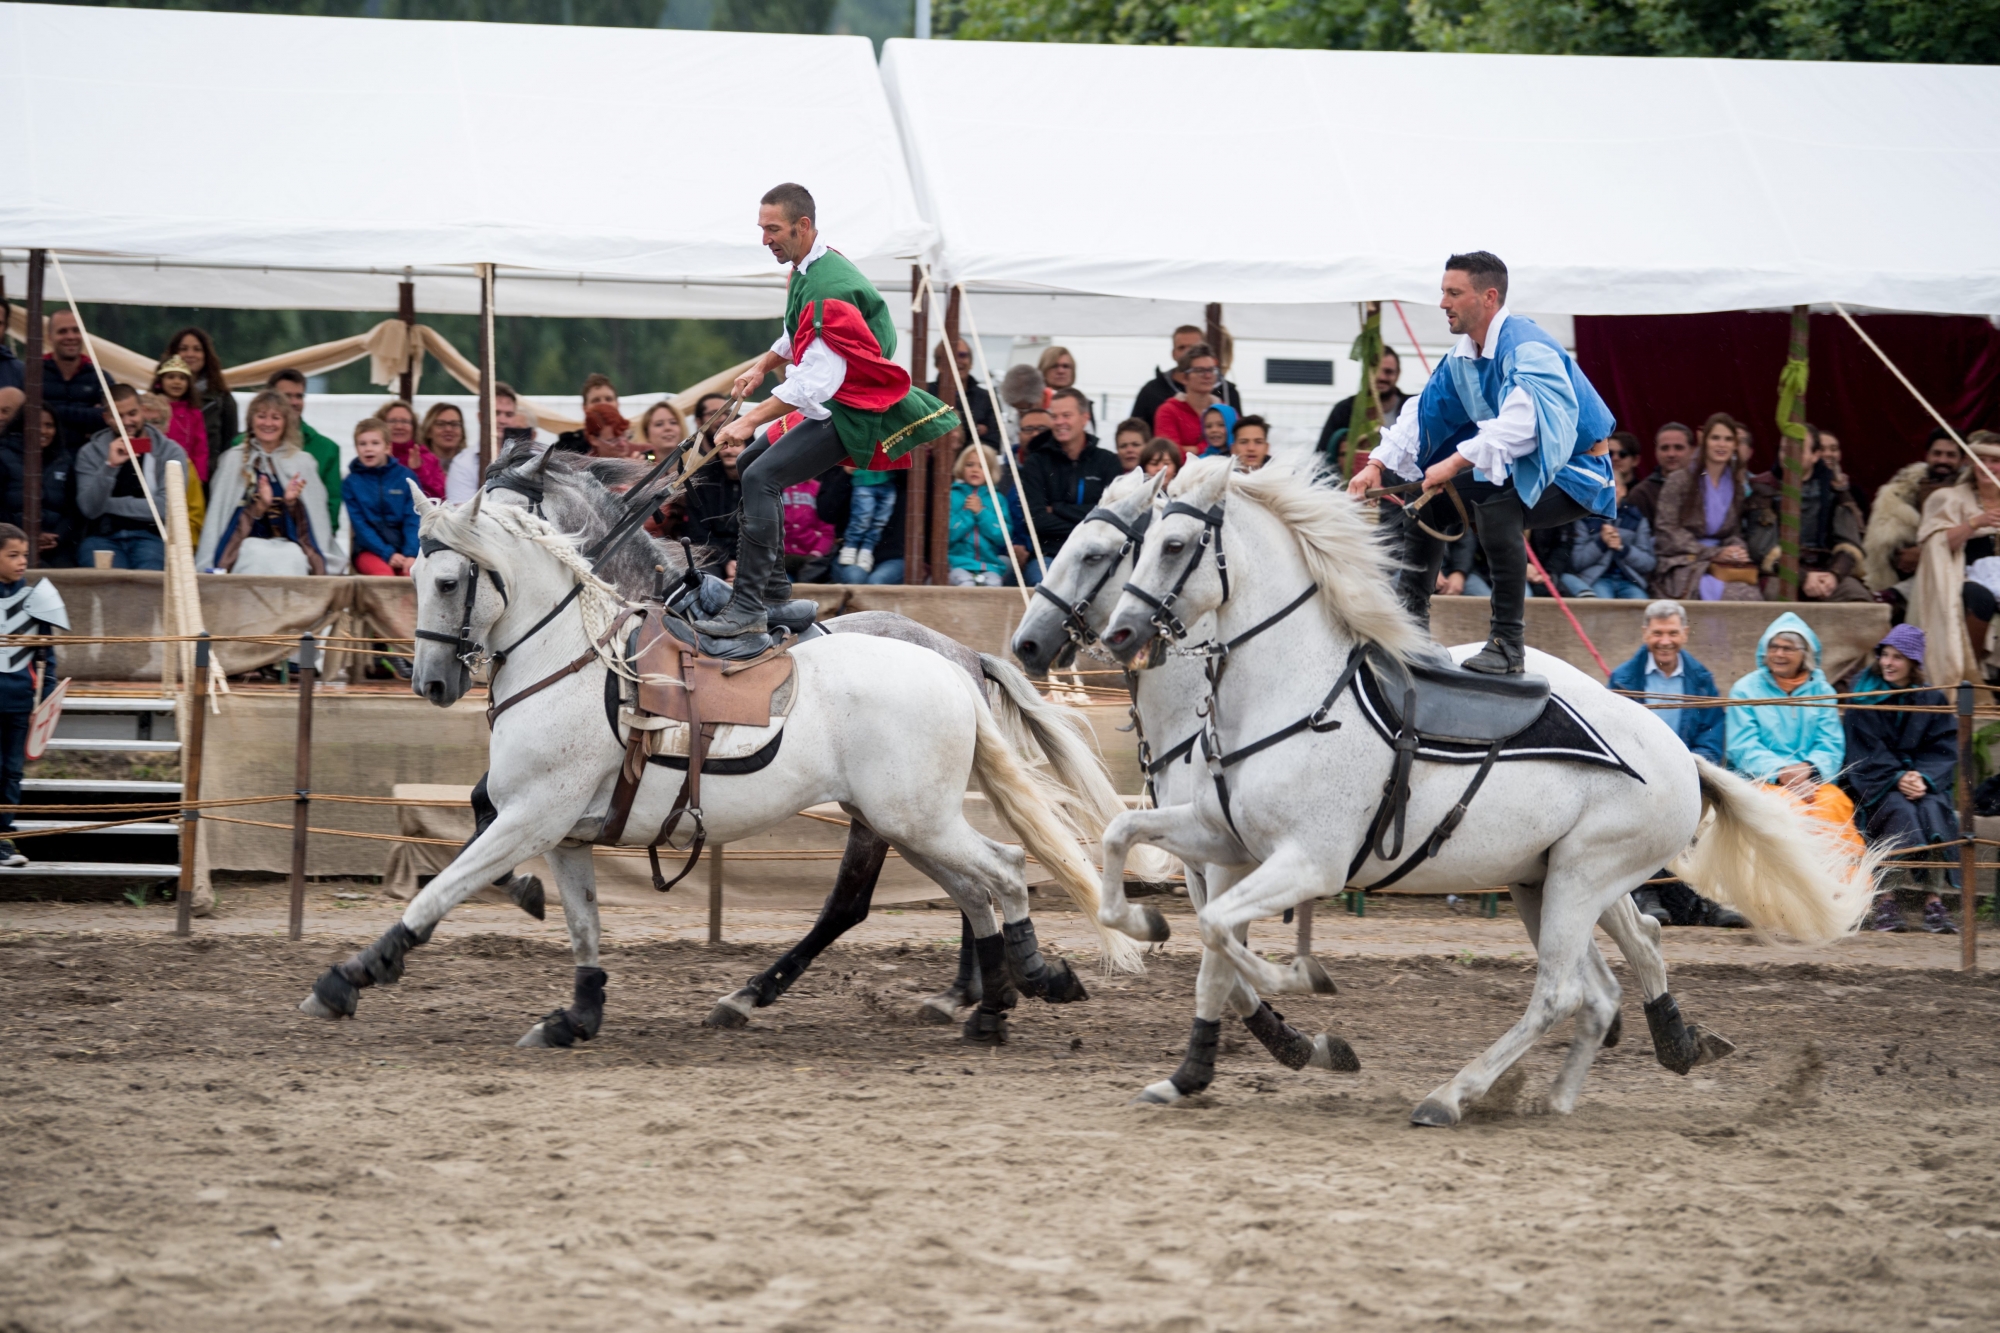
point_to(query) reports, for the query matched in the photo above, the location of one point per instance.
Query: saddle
(1453, 704)
(679, 683)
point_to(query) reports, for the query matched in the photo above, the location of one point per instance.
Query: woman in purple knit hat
(1900, 766)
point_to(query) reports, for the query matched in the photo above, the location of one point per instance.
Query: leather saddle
(728, 692)
(1455, 704)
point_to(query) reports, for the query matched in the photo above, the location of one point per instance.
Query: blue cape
(1570, 417)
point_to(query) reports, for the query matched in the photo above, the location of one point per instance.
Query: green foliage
(1941, 31)
(536, 356)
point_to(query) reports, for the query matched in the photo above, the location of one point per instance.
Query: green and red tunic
(879, 415)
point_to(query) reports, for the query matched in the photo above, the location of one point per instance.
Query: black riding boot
(780, 607)
(1423, 556)
(759, 550)
(1502, 536)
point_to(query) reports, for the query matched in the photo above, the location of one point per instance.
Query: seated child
(869, 512)
(25, 608)
(380, 505)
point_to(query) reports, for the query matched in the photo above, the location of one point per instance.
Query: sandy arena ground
(184, 1150)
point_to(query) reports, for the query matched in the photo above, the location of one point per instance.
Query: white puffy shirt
(1510, 435)
(818, 375)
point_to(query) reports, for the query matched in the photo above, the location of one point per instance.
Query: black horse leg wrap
(380, 964)
(1031, 972)
(1673, 1045)
(968, 982)
(1292, 1048)
(579, 1022)
(1197, 1069)
(992, 954)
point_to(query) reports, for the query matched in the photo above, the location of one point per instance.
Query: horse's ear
(1154, 485)
(539, 466)
(478, 499)
(417, 496)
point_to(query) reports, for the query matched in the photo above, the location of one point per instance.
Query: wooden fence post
(1968, 850)
(715, 893)
(302, 786)
(191, 787)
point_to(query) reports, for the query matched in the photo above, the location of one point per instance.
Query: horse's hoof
(1331, 1052)
(938, 1010)
(527, 893)
(986, 1027)
(1065, 986)
(536, 1036)
(1433, 1114)
(1157, 929)
(1714, 1046)
(1614, 1032)
(1163, 1093)
(731, 1011)
(313, 1006)
(333, 996)
(1315, 976)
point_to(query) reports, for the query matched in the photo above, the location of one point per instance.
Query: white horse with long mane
(1302, 744)
(892, 732)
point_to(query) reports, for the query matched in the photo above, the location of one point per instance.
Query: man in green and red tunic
(843, 398)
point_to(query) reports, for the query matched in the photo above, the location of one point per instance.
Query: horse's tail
(1784, 871)
(1032, 723)
(1025, 801)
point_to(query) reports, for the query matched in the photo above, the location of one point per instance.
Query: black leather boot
(1502, 536)
(757, 554)
(780, 607)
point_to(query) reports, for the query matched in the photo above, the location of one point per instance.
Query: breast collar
(1074, 622)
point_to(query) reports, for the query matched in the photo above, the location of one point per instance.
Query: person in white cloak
(267, 508)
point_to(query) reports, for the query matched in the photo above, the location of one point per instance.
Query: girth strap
(1439, 835)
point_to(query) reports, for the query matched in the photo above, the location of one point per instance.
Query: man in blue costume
(1509, 406)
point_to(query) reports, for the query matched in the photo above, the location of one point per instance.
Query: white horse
(890, 731)
(1569, 838)
(1169, 703)
(1072, 604)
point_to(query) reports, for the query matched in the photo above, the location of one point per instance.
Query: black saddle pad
(1557, 732)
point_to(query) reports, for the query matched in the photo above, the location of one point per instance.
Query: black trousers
(767, 469)
(1502, 523)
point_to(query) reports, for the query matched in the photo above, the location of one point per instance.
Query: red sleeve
(1178, 422)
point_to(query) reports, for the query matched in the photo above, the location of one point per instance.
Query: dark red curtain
(1653, 369)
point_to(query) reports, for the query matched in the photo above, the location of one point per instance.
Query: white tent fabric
(628, 155)
(1273, 181)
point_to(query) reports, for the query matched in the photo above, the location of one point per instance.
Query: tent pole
(1364, 426)
(488, 444)
(945, 449)
(406, 310)
(915, 547)
(32, 442)
(1792, 450)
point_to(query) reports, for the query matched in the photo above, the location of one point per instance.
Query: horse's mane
(576, 495)
(1125, 485)
(1343, 552)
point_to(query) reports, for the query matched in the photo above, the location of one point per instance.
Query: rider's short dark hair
(796, 200)
(1484, 268)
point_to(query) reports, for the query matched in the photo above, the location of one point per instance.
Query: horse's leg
(1594, 1018)
(965, 988)
(846, 907)
(1174, 829)
(576, 880)
(963, 863)
(1563, 984)
(512, 839)
(1677, 1044)
(525, 890)
(1289, 1046)
(1289, 878)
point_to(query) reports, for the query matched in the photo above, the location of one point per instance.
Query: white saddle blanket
(731, 741)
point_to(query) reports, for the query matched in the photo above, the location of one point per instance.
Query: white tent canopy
(1278, 182)
(607, 171)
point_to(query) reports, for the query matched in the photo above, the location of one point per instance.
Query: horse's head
(457, 603)
(1076, 594)
(1179, 575)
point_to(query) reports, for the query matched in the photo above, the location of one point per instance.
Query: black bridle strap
(1074, 623)
(1211, 535)
(1270, 620)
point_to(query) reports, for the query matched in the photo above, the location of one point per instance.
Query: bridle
(1074, 622)
(463, 646)
(1163, 617)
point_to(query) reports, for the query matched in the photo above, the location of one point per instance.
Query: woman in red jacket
(1179, 418)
